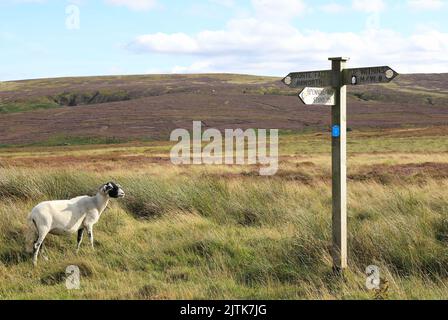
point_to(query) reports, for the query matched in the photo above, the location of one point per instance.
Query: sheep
(69, 216)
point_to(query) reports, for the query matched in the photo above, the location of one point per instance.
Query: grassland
(196, 232)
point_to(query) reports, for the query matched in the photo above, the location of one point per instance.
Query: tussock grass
(184, 233)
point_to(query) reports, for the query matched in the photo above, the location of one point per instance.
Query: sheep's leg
(80, 234)
(44, 251)
(90, 233)
(38, 244)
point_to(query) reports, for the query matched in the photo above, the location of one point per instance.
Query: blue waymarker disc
(336, 131)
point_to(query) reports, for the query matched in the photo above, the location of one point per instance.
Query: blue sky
(52, 38)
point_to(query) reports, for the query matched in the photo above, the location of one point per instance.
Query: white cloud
(263, 46)
(225, 3)
(29, 1)
(279, 9)
(166, 43)
(134, 4)
(369, 6)
(332, 8)
(426, 4)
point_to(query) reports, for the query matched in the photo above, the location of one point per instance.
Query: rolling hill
(149, 107)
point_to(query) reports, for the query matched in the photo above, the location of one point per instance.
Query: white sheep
(69, 216)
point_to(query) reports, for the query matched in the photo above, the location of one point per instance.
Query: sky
(55, 38)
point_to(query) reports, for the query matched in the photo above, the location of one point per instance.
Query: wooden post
(320, 94)
(339, 165)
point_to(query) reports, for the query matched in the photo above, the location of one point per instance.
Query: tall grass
(194, 236)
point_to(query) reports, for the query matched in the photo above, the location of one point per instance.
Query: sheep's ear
(107, 187)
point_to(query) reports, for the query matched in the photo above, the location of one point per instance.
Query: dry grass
(224, 232)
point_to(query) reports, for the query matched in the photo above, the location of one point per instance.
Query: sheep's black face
(114, 190)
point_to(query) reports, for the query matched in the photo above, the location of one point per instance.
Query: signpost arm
(339, 165)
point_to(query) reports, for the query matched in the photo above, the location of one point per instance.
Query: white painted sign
(318, 96)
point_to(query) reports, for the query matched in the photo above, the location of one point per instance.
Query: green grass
(66, 140)
(26, 106)
(291, 142)
(312, 143)
(66, 98)
(194, 232)
(192, 236)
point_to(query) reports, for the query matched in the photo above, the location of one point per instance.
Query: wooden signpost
(329, 88)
